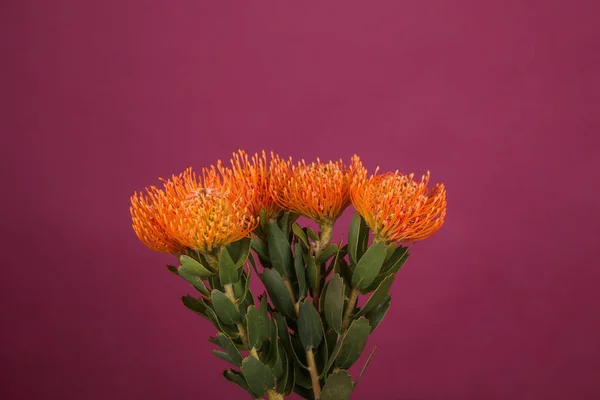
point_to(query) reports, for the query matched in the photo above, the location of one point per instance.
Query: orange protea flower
(255, 175)
(320, 191)
(147, 222)
(206, 212)
(396, 207)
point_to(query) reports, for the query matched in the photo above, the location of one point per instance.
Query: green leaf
(193, 267)
(334, 303)
(353, 343)
(310, 327)
(300, 235)
(196, 281)
(246, 281)
(300, 271)
(228, 272)
(224, 308)
(287, 389)
(195, 305)
(223, 356)
(229, 330)
(282, 374)
(327, 253)
(262, 251)
(311, 270)
(173, 269)
(395, 262)
(312, 234)
(279, 249)
(376, 316)
(378, 296)
(274, 343)
(239, 251)
(364, 368)
(258, 327)
(258, 376)
(284, 336)
(238, 379)
(227, 344)
(368, 266)
(356, 238)
(278, 292)
(338, 386)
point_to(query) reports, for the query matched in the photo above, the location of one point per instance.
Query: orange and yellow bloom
(320, 191)
(396, 207)
(202, 213)
(255, 175)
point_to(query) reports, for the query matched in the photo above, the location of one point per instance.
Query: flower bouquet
(230, 224)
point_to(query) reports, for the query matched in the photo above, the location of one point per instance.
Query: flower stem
(314, 374)
(350, 308)
(273, 395)
(324, 239)
(241, 327)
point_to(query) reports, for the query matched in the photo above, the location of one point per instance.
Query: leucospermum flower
(207, 212)
(320, 191)
(396, 207)
(254, 175)
(148, 224)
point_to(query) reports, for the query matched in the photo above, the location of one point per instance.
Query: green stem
(324, 239)
(314, 374)
(350, 308)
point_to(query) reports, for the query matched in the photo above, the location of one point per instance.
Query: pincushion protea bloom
(396, 207)
(199, 212)
(320, 191)
(254, 173)
(147, 222)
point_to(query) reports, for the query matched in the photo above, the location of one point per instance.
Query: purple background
(500, 100)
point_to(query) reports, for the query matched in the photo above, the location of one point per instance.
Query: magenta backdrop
(500, 100)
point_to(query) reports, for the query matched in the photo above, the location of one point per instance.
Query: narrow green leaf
(364, 368)
(309, 325)
(377, 315)
(193, 267)
(278, 292)
(196, 281)
(395, 262)
(279, 249)
(246, 281)
(378, 296)
(258, 376)
(262, 251)
(284, 336)
(239, 251)
(223, 356)
(195, 305)
(334, 303)
(338, 386)
(229, 330)
(300, 271)
(172, 269)
(311, 270)
(258, 327)
(224, 308)
(291, 380)
(368, 266)
(327, 253)
(228, 272)
(302, 377)
(353, 343)
(312, 235)
(282, 373)
(227, 344)
(300, 235)
(354, 237)
(238, 379)
(274, 345)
